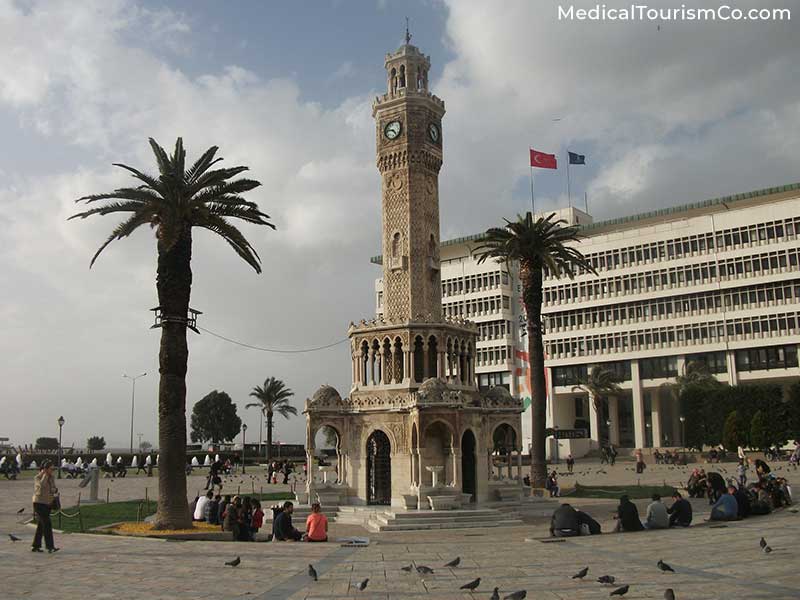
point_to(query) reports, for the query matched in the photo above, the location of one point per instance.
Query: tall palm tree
(174, 202)
(273, 397)
(535, 245)
(599, 383)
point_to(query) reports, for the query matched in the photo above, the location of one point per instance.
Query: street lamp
(133, 400)
(244, 445)
(682, 419)
(60, 426)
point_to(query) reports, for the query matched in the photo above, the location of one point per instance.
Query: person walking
(639, 461)
(570, 463)
(45, 497)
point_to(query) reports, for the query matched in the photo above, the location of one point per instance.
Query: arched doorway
(379, 469)
(468, 476)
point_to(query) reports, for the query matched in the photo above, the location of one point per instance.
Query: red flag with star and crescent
(542, 160)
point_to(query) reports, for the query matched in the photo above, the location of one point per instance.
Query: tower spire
(408, 35)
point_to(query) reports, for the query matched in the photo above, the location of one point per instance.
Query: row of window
(754, 296)
(758, 359)
(476, 306)
(466, 284)
(698, 274)
(493, 330)
(494, 355)
(676, 335)
(489, 380)
(695, 245)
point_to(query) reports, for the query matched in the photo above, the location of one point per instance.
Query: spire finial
(408, 35)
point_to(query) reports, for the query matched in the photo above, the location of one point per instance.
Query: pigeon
(21, 510)
(408, 568)
(362, 585)
(767, 549)
(620, 591)
(454, 562)
(472, 585)
(581, 574)
(669, 594)
(664, 566)
(312, 572)
(516, 595)
(495, 594)
(763, 543)
(13, 538)
(234, 563)
(606, 579)
(423, 570)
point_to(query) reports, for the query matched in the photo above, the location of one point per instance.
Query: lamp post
(244, 445)
(60, 427)
(608, 429)
(682, 419)
(133, 400)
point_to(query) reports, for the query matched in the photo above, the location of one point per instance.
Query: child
(257, 520)
(741, 474)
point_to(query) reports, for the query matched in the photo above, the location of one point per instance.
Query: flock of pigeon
(471, 586)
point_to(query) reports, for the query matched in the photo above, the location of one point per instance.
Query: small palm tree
(599, 383)
(273, 397)
(535, 245)
(174, 202)
(695, 374)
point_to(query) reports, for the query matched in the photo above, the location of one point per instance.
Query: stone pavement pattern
(710, 562)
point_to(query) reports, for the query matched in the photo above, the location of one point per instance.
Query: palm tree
(535, 245)
(174, 202)
(695, 374)
(599, 383)
(273, 397)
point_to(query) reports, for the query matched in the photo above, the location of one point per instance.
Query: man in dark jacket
(628, 515)
(680, 513)
(742, 501)
(283, 528)
(588, 523)
(565, 522)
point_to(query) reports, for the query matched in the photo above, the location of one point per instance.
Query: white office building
(717, 281)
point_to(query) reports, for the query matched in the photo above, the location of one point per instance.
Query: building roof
(641, 218)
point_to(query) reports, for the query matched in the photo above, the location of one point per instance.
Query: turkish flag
(543, 160)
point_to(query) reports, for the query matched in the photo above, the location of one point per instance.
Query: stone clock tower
(408, 135)
(415, 430)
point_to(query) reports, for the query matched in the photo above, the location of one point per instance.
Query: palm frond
(202, 164)
(122, 230)
(235, 239)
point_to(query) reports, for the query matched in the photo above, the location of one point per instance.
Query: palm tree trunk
(532, 298)
(269, 438)
(174, 285)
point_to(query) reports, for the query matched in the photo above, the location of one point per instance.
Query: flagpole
(569, 191)
(586, 202)
(533, 210)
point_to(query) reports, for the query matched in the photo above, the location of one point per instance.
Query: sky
(666, 113)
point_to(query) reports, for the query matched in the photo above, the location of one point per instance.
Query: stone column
(655, 417)
(733, 374)
(638, 406)
(550, 415)
(613, 416)
(371, 366)
(425, 351)
(412, 369)
(456, 454)
(594, 422)
(519, 465)
(440, 365)
(406, 366)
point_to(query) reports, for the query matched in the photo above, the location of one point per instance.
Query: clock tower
(408, 135)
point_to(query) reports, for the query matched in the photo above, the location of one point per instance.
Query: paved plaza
(711, 562)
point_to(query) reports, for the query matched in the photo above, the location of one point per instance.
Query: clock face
(433, 132)
(392, 130)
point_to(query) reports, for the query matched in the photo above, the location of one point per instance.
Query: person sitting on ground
(193, 505)
(551, 484)
(760, 503)
(230, 522)
(526, 481)
(627, 516)
(588, 525)
(693, 485)
(244, 519)
(570, 463)
(742, 501)
(657, 515)
(223, 505)
(725, 508)
(316, 525)
(762, 468)
(200, 507)
(212, 511)
(283, 528)
(716, 487)
(680, 513)
(565, 522)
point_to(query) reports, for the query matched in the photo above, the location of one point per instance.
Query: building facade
(415, 429)
(716, 282)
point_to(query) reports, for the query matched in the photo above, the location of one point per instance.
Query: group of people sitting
(243, 517)
(669, 457)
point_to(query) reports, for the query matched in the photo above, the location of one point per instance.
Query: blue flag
(576, 159)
